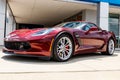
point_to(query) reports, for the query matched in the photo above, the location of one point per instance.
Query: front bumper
(33, 48)
(25, 55)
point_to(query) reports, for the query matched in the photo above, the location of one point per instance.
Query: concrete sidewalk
(87, 62)
(103, 75)
(80, 67)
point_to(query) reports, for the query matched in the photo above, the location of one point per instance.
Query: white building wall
(10, 23)
(99, 17)
(89, 16)
(2, 20)
(103, 15)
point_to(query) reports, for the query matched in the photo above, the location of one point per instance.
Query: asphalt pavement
(80, 67)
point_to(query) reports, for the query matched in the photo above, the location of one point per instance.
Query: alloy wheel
(111, 47)
(64, 48)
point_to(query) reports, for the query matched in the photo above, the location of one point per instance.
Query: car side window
(69, 25)
(92, 25)
(86, 28)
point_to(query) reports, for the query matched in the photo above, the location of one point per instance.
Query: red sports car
(60, 42)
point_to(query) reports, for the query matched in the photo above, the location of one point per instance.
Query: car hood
(22, 33)
(26, 34)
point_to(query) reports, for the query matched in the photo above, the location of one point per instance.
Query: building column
(103, 15)
(2, 20)
(89, 15)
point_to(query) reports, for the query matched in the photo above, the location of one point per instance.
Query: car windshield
(76, 25)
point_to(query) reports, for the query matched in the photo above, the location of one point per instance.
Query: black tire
(59, 50)
(110, 48)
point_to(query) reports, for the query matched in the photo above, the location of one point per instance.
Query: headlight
(42, 32)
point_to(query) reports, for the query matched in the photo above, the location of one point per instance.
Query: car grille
(17, 45)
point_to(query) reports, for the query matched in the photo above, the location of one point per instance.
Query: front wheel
(63, 48)
(110, 47)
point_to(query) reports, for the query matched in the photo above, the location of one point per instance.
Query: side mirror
(91, 29)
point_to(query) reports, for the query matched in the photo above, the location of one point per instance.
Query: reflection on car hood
(22, 33)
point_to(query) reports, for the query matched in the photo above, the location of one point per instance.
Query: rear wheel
(63, 48)
(110, 47)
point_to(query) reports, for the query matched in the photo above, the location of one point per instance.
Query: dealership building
(17, 14)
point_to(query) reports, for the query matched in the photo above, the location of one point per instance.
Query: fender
(60, 33)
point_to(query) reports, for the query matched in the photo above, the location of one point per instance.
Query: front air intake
(17, 45)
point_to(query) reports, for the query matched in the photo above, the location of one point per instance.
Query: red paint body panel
(41, 45)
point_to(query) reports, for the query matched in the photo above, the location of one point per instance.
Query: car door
(90, 38)
(93, 36)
